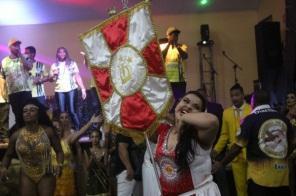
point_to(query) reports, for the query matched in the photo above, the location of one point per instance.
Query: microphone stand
(234, 67)
(213, 71)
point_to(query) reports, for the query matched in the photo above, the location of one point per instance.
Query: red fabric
(102, 79)
(115, 33)
(176, 184)
(153, 58)
(136, 112)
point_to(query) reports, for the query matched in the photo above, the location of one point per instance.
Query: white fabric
(127, 66)
(38, 70)
(150, 185)
(157, 92)
(11, 118)
(261, 107)
(66, 76)
(200, 170)
(140, 28)
(238, 112)
(201, 166)
(97, 49)
(208, 188)
(112, 109)
(128, 71)
(124, 187)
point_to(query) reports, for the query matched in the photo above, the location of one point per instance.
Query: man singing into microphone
(174, 55)
(15, 69)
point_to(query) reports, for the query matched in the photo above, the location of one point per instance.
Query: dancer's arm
(75, 136)
(206, 125)
(124, 157)
(56, 145)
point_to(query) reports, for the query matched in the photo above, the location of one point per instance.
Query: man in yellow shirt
(174, 55)
(232, 117)
(268, 135)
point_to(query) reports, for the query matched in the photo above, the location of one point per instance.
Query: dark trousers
(17, 101)
(4, 113)
(67, 102)
(257, 190)
(94, 101)
(179, 90)
(41, 100)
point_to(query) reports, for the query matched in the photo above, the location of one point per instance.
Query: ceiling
(20, 12)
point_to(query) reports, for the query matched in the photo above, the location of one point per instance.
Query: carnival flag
(126, 63)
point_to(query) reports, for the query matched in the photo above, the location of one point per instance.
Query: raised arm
(182, 49)
(94, 119)
(206, 125)
(124, 157)
(28, 64)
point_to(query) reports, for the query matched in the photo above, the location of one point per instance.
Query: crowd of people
(192, 149)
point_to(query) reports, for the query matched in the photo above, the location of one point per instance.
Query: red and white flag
(127, 66)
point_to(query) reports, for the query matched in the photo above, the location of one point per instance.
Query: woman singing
(66, 75)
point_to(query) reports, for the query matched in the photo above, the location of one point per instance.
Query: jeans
(41, 100)
(67, 102)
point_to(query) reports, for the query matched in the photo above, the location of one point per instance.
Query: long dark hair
(68, 60)
(186, 146)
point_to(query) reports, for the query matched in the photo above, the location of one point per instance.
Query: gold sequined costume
(65, 185)
(34, 152)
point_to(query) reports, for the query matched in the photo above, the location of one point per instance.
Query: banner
(126, 63)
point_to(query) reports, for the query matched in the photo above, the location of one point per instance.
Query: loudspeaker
(291, 14)
(269, 52)
(204, 32)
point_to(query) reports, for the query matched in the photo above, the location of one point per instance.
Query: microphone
(224, 53)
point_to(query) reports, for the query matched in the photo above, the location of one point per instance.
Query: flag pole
(153, 161)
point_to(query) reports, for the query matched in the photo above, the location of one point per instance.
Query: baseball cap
(172, 29)
(13, 41)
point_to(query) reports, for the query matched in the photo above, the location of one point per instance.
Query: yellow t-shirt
(276, 170)
(173, 62)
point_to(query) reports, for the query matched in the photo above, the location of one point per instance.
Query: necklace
(166, 144)
(98, 153)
